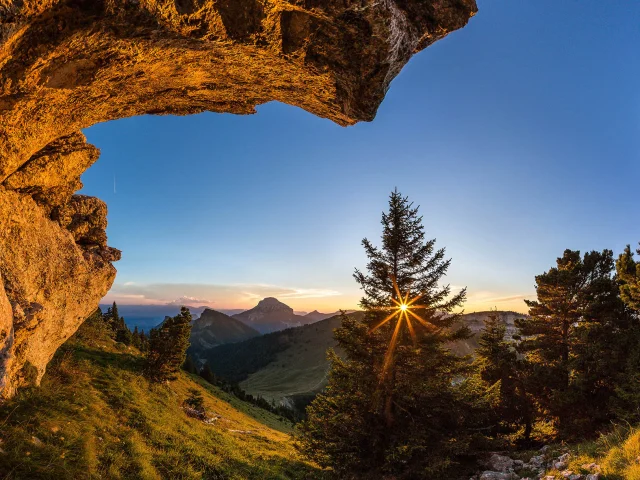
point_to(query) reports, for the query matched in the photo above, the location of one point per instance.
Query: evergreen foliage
(629, 275)
(498, 364)
(575, 340)
(168, 345)
(412, 418)
(190, 366)
(118, 326)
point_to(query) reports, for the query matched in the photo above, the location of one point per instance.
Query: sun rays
(401, 308)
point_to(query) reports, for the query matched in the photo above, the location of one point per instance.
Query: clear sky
(518, 136)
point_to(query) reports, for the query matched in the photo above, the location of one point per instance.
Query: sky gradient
(518, 136)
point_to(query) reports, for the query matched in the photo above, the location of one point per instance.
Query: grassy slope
(96, 416)
(301, 368)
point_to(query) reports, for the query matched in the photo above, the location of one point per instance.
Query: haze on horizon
(515, 151)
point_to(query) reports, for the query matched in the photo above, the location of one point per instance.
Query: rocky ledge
(68, 64)
(541, 466)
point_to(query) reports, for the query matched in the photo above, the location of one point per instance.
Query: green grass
(300, 369)
(96, 416)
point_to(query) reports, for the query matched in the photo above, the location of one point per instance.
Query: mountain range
(267, 316)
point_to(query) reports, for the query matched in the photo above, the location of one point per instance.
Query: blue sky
(518, 136)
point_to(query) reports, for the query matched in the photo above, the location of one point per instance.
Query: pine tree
(144, 342)
(397, 403)
(113, 317)
(207, 374)
(498, 365)
(123, 334)
(190, 366)
(629, 276)
(572, 340)
(135, 337)
(168, 345)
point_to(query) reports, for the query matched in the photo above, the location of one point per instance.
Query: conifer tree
(498, 365)
(207, 374)
(629, 276)
(190, 366)
(168, 345)
(135, 337)
(573, 338)
(144, 342)
(397, 403)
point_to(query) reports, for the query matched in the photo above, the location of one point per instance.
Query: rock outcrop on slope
(68, 64)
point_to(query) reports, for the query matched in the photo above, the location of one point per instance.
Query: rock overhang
(68, 64)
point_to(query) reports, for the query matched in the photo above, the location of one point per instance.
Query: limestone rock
(66, 65)
(50, 286)
(53, 174)
(501, 463)
(489, 475)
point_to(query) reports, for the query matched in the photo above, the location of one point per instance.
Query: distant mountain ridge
(271, 315)
(214, 328)
(316, 316)
(146, 317)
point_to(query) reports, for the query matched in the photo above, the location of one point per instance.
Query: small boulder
(497, 476)
(501, 463)
(537, 461)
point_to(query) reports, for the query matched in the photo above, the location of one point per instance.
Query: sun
(401, 307)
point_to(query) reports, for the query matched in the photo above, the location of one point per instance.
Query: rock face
(68, 64)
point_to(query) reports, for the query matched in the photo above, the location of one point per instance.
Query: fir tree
(168, 345)
(498, 365)
(629, 276)
(397, 404)
(207, 374)
(190, 366)
(123, 334)
(144, 342)
(572, 340)
(135, 337)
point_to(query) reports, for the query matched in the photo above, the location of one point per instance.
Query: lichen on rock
(68, 64)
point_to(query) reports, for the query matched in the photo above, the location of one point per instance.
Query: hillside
(271, 315)
(96, 416)
(214, 328)
(281, 364)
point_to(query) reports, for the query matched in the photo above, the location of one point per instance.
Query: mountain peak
(271, 304)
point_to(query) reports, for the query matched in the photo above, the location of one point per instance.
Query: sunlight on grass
(96, 416)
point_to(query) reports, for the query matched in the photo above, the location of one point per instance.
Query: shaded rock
(501, 463)
(537, 461)
(489, 475)
(85, 217)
